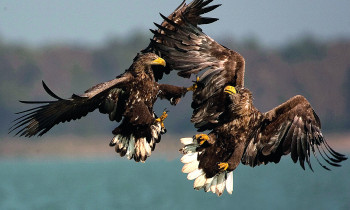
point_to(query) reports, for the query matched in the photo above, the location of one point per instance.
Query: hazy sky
(92, 22)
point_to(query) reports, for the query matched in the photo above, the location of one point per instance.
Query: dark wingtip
(52, 94)
(168, 20)
(207, 20)
(209, 9)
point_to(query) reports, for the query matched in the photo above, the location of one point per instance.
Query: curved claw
(162, 118)
(194, 86)
(223, 166)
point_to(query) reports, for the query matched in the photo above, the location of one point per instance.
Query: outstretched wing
(191, 51)
(39, 120)
(184, 46)
(192, 13)
(293, 127)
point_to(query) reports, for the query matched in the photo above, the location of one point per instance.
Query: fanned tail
(216, 184)
(134, 146)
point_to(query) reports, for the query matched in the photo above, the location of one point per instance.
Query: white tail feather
(137, 148)
(155, 131)
(208, 184)
(151, 143)
(131, 149)
(115, 139)
(142, 147)
(186, 141)
(154, 134)
(158, 127)
(220, 186)
(189, 167)
(199, 182)
(213, 184)
(147, 148)
(216, 184)
(189, 157)
(194, 174)
(229, 182)
(123, 143)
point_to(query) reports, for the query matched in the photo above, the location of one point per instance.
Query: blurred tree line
(320, 71)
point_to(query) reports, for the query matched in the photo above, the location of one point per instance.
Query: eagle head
(144, 62)
(240, 99)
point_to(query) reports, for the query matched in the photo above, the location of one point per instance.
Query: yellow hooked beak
(230, 90)
(159, 61)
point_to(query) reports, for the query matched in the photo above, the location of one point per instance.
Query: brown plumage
(238, 131)
(187, 49)
(129, 97)
(246, 135)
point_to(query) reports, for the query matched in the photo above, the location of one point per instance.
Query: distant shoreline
(70, 146)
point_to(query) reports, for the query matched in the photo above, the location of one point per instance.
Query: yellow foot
(230, 90)
(194, 86)
(162, 118)
(223, 166)
(202, 138)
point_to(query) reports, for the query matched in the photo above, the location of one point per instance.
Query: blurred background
(296, 47)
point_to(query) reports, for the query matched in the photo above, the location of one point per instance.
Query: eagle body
(142, 94)
(227, 141)
(139, 128)
(238, 132)
(245, 135)
(129, 98)
(231, 138)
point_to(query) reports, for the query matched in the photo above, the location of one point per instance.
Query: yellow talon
(202, 138)
(223, 166)
(194, 86)
(162, 118)
(230, 90)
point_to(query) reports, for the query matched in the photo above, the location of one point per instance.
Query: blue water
(159, 184)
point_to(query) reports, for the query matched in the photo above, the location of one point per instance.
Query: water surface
(159, 184)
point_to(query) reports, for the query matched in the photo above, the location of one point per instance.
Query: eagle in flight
(238, 132)
(128, 99)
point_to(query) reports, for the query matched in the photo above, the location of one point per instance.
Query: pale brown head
(241, 100)
(144, 62)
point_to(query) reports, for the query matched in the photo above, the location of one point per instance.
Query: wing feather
(187, 49)
(303, 134)
(39, 120)
(184, 14)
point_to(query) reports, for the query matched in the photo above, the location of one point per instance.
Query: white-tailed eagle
(238, 131)
(129, 98)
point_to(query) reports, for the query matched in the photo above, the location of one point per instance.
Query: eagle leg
(223, 166)
(162, 118)
(194, 86)
(201, 138)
